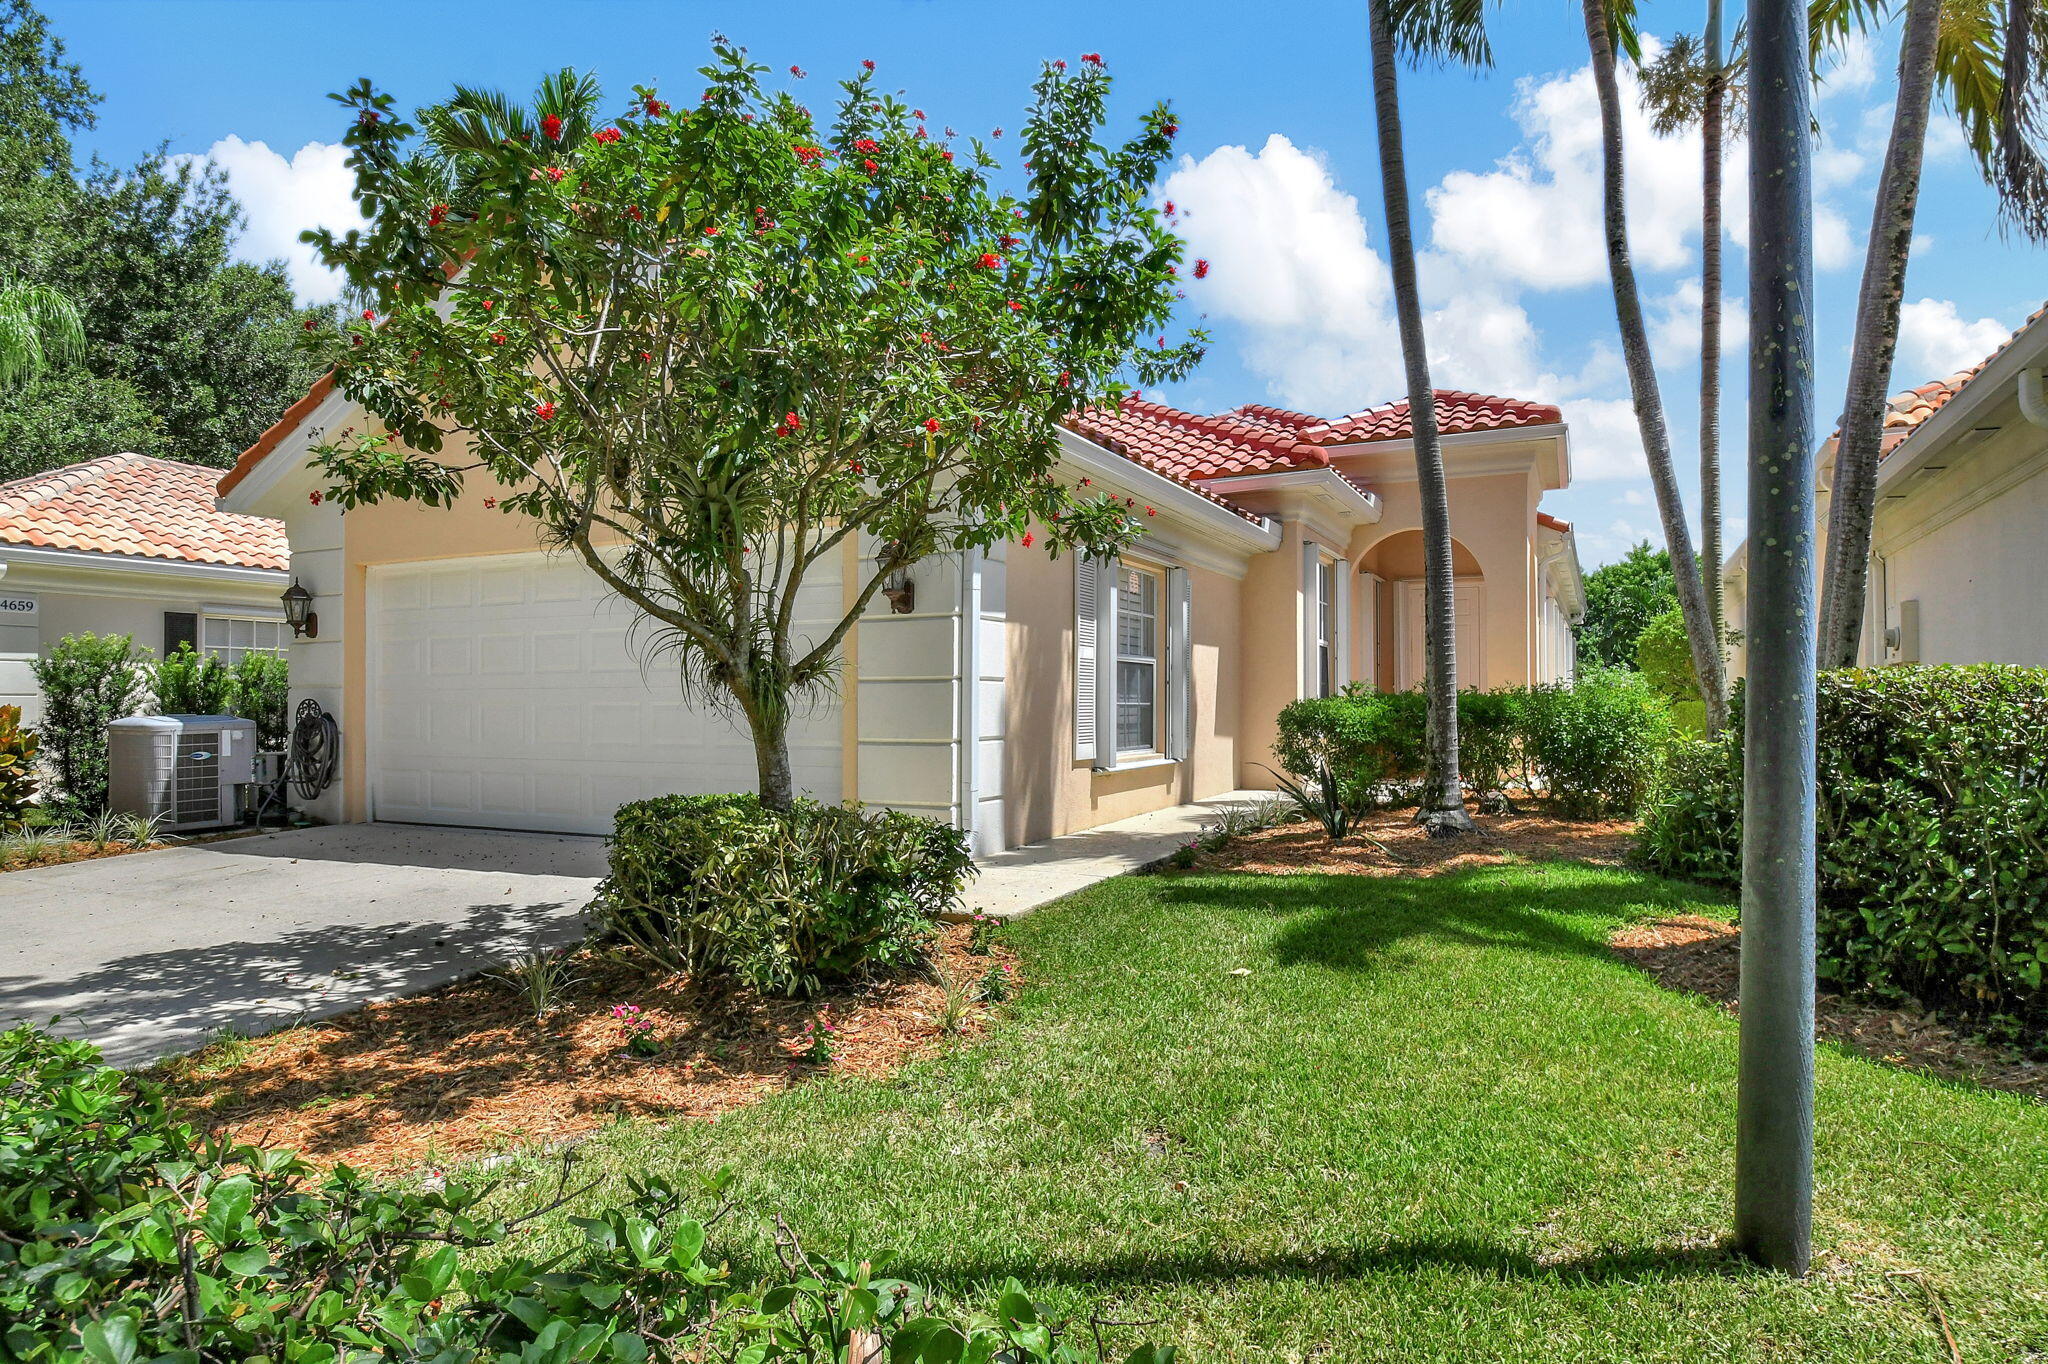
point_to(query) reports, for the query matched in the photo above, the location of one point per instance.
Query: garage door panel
(514, 692)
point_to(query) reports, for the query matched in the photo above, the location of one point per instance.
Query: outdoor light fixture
(298, 612)
(900, 588)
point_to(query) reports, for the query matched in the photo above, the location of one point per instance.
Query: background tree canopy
(1622, 598)
(188, 353)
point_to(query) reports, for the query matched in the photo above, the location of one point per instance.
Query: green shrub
(18, 778)
(1933, 833)
(787, 901)
(1664, 657)
(1360, 737)
(263, 693)
(125, 1235)
(1593, 745)
(88, 682)
(191, 683)
(1490, 725)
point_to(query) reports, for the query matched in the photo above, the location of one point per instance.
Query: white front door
(1411, 666)
(513, 692)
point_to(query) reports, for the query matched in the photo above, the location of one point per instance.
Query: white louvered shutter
(1090, 583)
(1340, 647)
(1310, 662)
(1180, 666)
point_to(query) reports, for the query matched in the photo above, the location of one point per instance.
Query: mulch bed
(465, 1071)
(80, 851)
(1700, 956)
(1395, 845)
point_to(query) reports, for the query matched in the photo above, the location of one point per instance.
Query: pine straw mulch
(1700, 956)
(1395, 845)
(464, 1071)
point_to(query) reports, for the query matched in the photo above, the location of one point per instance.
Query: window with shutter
(1180, 666)
(1087, 585)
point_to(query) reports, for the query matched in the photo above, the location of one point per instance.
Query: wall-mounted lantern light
(298, 612)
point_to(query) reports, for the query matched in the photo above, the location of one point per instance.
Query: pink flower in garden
(551, 128)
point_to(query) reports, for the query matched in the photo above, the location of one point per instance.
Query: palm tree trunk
(1857, 451)
(1642, 378)
(1774, 1096)
(1443, 802)
(1710, 325)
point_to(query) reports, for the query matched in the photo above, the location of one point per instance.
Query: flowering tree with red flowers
(706, 348)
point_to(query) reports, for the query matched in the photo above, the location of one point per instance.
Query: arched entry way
(1394, 576)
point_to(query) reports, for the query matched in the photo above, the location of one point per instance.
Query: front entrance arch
(1394, 571)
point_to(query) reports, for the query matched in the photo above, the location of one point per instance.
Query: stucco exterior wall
(1046, 790)
(1969, 544)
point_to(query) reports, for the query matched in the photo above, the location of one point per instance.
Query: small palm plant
(541, 978)
(1319, 799)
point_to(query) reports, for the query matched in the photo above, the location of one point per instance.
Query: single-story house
(479, 681)
(135, 546)
(1959, 539)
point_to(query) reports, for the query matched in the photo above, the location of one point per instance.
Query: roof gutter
(1361, 505)
(102, 560)
(1093, 461)
(2033, 404)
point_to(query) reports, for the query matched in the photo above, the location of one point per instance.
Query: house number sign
(17, 610)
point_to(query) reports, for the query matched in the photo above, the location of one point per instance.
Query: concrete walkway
(1015, 882)
(153, 953)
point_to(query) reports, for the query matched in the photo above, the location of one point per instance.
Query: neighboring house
(479, 681)
(134, 546)
(1959, 541)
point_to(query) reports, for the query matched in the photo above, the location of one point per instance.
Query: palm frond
(39, 328)
(1449, 31)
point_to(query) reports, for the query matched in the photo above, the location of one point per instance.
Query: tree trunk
(1710, 327)
(1642, 378)
(1774, 1096)
(771, 758)
(1443, 802)
(1854, 496)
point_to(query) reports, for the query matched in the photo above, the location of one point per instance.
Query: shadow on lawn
(1618, 1264)
(1352, 923)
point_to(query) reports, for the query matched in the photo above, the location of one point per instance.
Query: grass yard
(1327, 1117)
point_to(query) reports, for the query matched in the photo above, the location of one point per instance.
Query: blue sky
(1279, 187)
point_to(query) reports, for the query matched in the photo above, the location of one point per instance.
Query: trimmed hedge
(1590, 747)
(126, 1235)
(1933, 829)
(788, 901)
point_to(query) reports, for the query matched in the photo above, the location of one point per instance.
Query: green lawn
(1435, 1121)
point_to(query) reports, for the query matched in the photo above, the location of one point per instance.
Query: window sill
(1138, 762)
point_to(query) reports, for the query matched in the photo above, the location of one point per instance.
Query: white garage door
(512, 692)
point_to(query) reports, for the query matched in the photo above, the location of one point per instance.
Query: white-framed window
(1133, 663)
(1138, 667)
(1326, 627)
(228, 638)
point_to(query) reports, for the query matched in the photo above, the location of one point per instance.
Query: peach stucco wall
(1046, 790)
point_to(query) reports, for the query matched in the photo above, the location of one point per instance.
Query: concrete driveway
(152, 953)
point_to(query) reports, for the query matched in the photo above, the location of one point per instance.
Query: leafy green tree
(709, 349)
(263, 693)
(87, 681)
(1622, 598)
(186, 352)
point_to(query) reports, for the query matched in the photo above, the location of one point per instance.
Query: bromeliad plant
(716, 349)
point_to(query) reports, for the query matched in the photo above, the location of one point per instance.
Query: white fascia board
(288, 455)
(1457, 440)
(1354, 503)
(1997, 381)
(1185, 504)
(1571, 578)
(95, 561)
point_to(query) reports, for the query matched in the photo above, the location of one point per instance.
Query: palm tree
(1605, 33)
(1452, 30)
(1691, 82)
(1774, 1098)
(39, 327)
(1954, 46)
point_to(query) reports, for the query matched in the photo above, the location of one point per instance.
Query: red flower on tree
(796, 71)
(867, 144)
(931, 424)
(490, 502)
(497, 338)
(1092, 58)
(869, 166)
(807, 154)
(605, 135)
(791, 424)
(555, 174)
(1201, 269)
(369, 314)
(989, 260)
(437, 215)
(655, 107)
(315, 498)
(1028, 539)
(867, 64)
(551, 128)
(546, 412)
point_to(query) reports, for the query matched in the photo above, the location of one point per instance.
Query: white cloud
(1850, 67)
(1675, 322)
(285, 197)
(1606, 443)
(1535, 218)
(1936, 340)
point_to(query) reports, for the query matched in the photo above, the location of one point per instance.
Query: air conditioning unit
(183, 769)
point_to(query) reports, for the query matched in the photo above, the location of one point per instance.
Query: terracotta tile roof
(1544, 518)
(1905, 413)
(1185, 446)
(1457, 413)
(132, 504)
(279, 429)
